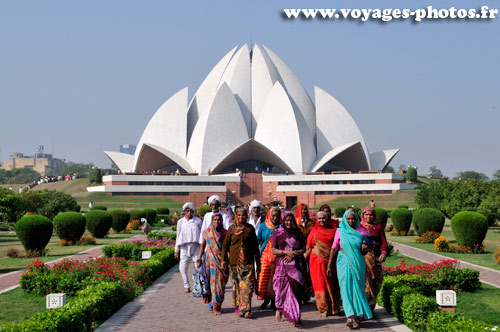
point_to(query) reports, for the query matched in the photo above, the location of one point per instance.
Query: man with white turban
(255, 218)
(187, 241)
(214, 202)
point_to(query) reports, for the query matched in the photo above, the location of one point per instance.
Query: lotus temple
(252, 131)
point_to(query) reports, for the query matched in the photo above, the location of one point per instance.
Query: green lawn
(395, 259)
(388, 202)
(491, 243)
(55, 251)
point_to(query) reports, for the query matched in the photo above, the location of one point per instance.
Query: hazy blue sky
(90, 74)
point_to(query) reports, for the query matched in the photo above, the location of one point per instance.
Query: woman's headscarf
(268, 221)
(366, 209)
(294, 230)
(324, 206)
(236, 220)
(298, 213)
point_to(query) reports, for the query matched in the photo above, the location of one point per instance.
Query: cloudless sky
(90, 74)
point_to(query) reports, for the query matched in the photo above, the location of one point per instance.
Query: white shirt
(188, 231)
(252, 222)
(207, 221)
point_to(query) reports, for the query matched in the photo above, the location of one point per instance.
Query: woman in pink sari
(289, 246)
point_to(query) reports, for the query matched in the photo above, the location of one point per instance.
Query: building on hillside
(251, 130)
(128, 148)
(43, 163)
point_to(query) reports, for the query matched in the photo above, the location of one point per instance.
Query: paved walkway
(11, 280)
(486, 275)
(165, 307)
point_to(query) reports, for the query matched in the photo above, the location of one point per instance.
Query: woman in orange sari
(319, 243)
(267, 259)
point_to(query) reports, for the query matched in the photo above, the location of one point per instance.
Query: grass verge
(388, 202)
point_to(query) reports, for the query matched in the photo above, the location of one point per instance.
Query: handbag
(199, 285)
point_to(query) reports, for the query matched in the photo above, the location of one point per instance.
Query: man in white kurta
(256, 217)
(214, 202)
(187, 242)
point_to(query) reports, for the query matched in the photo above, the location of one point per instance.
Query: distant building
(44, 164)
(128, 148)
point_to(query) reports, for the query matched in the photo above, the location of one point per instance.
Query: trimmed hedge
(440, 321)
(162, 210)
(34, 232)
(401, 219)
(120, 219)
(397, 300)
(150, 215)
(202, 210)
(381, 216)
(469, 228)
(339, 211)
(165, 217)
(69, 226)
(129, 251)
(403, 206)
(428, 220)
(98, 222)
(137, 214)
(100, 207)
(415, 309)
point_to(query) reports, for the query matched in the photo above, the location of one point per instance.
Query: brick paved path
(11, 280)
(486, 275)
(165, 307)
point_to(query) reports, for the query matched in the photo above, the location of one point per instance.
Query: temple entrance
(291, 201)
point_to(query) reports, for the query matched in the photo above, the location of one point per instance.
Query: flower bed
(441, 244)
(496, 255)
(427, 237)
(100, 286)
(161, 235)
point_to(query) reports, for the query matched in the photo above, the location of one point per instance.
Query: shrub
(411, 174)
(69, 226)
(415, 309)
(11, 252)
(469, 228)
(95, 175)
(496, 255)
(49, 202)
(150, 215)
(396, 299)
(162, 210)
(202, 210)
(446, 321)
(137, 214)
(34, 232)
(401, 219)
(466, 280)
(428, 220)
(120, 219)
(98, 222)
(87, 239)
(381, 216)
(339, 211)
(99, 207)
(133, 225)
(166, 219)
(384, 296)
(160, 235)
(402, 206)
(427, 237)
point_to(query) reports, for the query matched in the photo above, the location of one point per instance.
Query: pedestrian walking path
(164, 307)
(11, 280)
(486, 275)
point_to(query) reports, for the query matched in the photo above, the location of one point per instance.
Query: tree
(472, 175)
(496, 175)
(95, 175)
(435, 172)
(11, 205)
(81, 170)
(411, 174)
(389, 169)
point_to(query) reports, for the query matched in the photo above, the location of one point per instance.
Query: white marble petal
(202, 99)
(349, 156)
(335, 126)
(283, 130)
(296, 91)
(123, 161)
(379, 160)
(153, 157)
(218, 133)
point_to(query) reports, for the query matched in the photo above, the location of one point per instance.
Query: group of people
(285, 259)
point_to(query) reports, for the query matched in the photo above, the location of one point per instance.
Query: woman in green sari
(349, 250)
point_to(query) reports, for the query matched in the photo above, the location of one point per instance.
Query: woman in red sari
(326, 208)
(375, 258)
(319, 244)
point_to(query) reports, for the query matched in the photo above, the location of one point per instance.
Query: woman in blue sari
(349, 250)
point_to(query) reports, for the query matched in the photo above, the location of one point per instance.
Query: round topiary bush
(137, 214)
(69, 226)
(469, 228)
(34, 231)
(339, 211)
(381, 216)
(98, 222)
(120, 219)
(403, 206)
(203, 209)
(150, 215)
(99, 207)
(428, 220)
(401, 219)
(162, 210)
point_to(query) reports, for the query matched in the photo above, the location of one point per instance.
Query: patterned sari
(267, 259)
(326, 289)
(216, 276)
